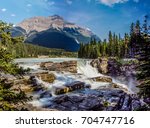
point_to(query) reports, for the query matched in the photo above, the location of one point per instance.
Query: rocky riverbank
(74, 95)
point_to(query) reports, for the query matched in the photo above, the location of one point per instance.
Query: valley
(48, 63)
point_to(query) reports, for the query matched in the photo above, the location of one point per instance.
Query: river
(85, 71)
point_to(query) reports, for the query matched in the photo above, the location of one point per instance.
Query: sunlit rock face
(53, 32)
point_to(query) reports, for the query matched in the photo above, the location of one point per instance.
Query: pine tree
(144, 61)
(8, 97)
(110, 44)
(132, 40)
(126, 44)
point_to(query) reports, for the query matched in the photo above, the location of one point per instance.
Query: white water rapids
(85, 71)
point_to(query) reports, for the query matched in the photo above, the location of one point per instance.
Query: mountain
(53, 32)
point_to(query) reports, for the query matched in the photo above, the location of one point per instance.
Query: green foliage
(116, 47)
(9, 97)
(30, 50)
(143, 55)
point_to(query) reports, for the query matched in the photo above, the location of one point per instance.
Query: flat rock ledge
(67, 66)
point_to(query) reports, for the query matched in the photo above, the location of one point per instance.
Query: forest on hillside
(19, 49)
(115, 45)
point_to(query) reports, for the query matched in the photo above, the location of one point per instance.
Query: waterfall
(86, 69)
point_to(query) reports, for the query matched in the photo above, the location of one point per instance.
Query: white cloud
(3, 9)
(69, 2)
(13, 15)
(136, 1)
(50, 3)
(112, 2)
(29, 5)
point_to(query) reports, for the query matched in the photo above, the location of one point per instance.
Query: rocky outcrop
(102, 79)
(96, 100)
(77, 103)
(126, 67)
(67, 66)
(71, 87)
(46, 77)
(101, 64)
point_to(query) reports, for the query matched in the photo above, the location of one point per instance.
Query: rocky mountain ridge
(53, 32)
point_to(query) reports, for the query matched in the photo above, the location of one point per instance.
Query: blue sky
(98, 15)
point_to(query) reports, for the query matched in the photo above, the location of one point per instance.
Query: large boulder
(68, 66)
(101, 64)
(71, 87)
(46, 77)
(77, 103)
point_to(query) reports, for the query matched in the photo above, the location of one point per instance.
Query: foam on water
(86, 69)
(85, 72)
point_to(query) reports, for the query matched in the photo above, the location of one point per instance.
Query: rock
(46, 64)
(45, 94)
(126, 105)
(36, 85)
(147, 100)
(91, 103)
(46, 77)
(78, 103)
(76, 99)
(96, 100)
(102, 79)
(114, 67)
(9, 78)
(70, 87)
(136, 104)
(61, 99)
(101, 64)
(114, 85)
(68, 66)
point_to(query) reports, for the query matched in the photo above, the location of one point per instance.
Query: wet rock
(136, 104)
(91, 103)
(102, 79)
(101, 64)
(114, 85)
(96, 100)
(68, 66)
(70, 87)
(126, 105)
(36, 85)
(76, 99)
(147, 100)
(45, 94)
(77, 103)
(61, 99)
(46, 77)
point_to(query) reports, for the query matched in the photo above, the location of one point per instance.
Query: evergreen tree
(126, 44)
(132, 40)
(8, 97)
(110, 44)
(144, 61)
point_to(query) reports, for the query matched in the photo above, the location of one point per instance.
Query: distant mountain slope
(53, 32)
